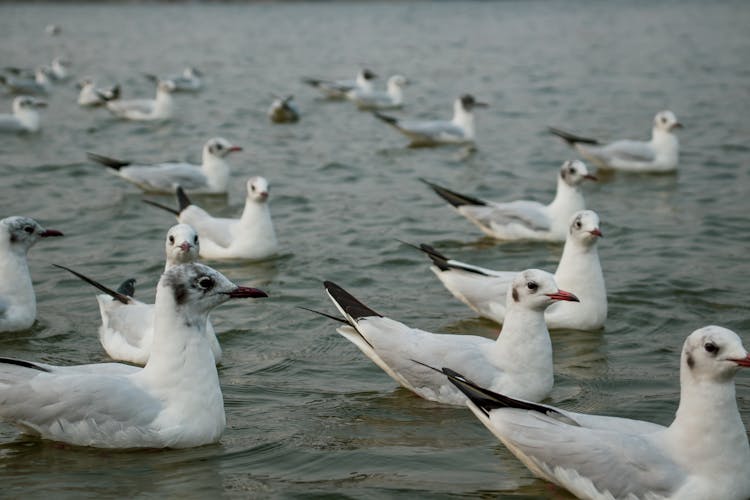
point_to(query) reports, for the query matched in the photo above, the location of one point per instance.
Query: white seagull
(127, 329)
(519, 361)
(160, 108)
(525, 219)
(175, 401)
(190, 80)
(283, 110)
(392, 98)
(703, 454)
(39, 84)
(460, 130)
(579, 272)
(338, 89)
(660, 154)
(17, 298)
(251, 237)
(210, 177)
(60, 69)
(25, 117)
(90, 95)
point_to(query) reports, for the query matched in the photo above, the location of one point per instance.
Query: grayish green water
(308, 414)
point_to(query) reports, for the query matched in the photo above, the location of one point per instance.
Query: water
(307, 413)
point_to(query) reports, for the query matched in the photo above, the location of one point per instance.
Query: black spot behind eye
(532, 286)
(171, 239)
(206, 283)
(711, 348)
(515, 295)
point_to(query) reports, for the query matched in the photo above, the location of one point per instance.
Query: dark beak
(480, 104)
(40, 104)
(591, 177)
(563, 295)
(50, 232)
(678, 125)
(245, 292)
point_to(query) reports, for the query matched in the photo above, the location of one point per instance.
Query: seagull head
(713, 354)
(574, 172)
(536, 290)
(666, 121)
(468, 103)
(398, 81)
(166, 86)
(191, 72)
(182, 245)
(21, 233)
(584, 227)
(367, 75)
(220, 147)
(258, 189)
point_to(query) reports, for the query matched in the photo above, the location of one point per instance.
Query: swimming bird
(175, 401)
(392, 98)
(127, 329)
(160, 108)
(460, 130)
(702, 454)
(17, 299)
(25, 117)
(39, 84)
(190, 80)
(283, 110)
(660, 154)
(338, 89)
(519, 361)
(90, 95)
(210, 177)
(579, 272)
(251, 237)
(59, 70)
(525, 219)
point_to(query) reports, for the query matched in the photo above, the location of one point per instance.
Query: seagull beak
(185, 246)
(479, 104)
(233, 149)
(597, 232)
(263, 195)
(591, 177)
(745, 362)
(245, 292)
(677, 125)
(40, 104)
(563, 295)
(50, 232)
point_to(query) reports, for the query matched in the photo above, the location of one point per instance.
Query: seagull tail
(127, 287)
(325, 315)
(570, 138)
(385, 118)
(163, 207)
(182, 199)
(313, 82)
(151, 77)
(115, 295)
(347, 303)
(455, 199)
(113, 163)
(114, 92)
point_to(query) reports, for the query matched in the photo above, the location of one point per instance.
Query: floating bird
(338, 89)
(90, 95)
(460, 130)
(660, 154)
(704, 453)
(393, 98)
(59, 70)
(519, 361)
(175, 401)
(17, 299)
(525, 219)
(189, 81)
(251, 237)
(210, 177)
(52, 29)
(283, 110)
(39, 84)
(127, 329)
(25, 117)
(579, 272)
(160, 108)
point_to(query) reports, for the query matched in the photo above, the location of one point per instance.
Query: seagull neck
(163, 103)
(463, 119)
(664, 140)
(395, 92)
(217, 171)
(29, 118)
(568, 199)
(15, 285)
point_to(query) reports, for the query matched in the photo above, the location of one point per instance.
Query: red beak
(235, 148)
(185, 246)
(563, 295)
(743, 362)
(245, 292)
(591, 177)
(263, 195)
(50, 232)
(596, 232)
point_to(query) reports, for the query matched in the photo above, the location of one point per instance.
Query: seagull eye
(171, 239)
(206, 283)
(28, 229)
(664, 119)
(219, 147)
(195, 240)
(532, 286)
(711, 348)
(252, 188)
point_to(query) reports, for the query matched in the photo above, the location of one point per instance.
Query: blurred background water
(308, 414)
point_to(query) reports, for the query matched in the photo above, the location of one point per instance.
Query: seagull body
(160, 108)
(338, 89)
(579, 272)
(660, 154)
(524, 219)
(188, 81)
(17, 298)
(283, 110)
(392, 98)
(90, 95)
(703, 454)
(59, 70)
(127, 329)
(25, 117)
(520, 360)
(174, 401)
(40, 84)
(211, 177)
(460, 130)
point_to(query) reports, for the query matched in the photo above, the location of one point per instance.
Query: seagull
(393, 98)
(525, 219)
(519, 361)
(188, 81)
(460, 130)
(90, 95)
(52, 29)
(660, 154)
(25, 117)
(210, 177)
(251, 237)
(40, 84)
(338, 89)
(704, 452)
(175, 401)
(579, 271)
(283, 110)
(127, 330)
(17, 299)
(60, 69)
(160, 108)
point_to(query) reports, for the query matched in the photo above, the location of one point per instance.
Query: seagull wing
(165, 177)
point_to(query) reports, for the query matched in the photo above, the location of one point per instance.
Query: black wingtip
(113, 163)
(325, 315)
(348, 302)
(385, 118)
(151, 77)
(127, 287)
(570, 138)
(313, 82)
(115, 295)
(25, 364)
(454, 198)
(182, 199)
(163, 207)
